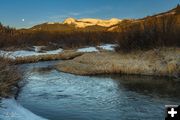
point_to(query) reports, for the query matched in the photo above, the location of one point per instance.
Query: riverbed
(53, 95)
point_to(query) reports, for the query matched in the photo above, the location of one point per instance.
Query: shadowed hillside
(153, 31)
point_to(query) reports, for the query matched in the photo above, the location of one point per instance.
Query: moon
(23, 20)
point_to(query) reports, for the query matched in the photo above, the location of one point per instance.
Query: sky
(27, 13)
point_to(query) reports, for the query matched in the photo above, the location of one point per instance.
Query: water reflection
(42, 70)
(149, 85)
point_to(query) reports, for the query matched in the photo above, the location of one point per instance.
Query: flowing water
(55, 95)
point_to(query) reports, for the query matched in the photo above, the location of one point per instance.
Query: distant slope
(53, 27)
(165, 16)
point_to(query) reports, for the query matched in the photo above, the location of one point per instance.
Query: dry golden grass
(161, 62)
(9, 78)
(65, 55)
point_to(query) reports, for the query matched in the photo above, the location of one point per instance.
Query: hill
(71, 24)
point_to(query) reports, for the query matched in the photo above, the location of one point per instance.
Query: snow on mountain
(51, 23)
(69, 21)
(85, 22)
(112, 28)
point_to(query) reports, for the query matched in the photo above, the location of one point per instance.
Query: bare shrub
(9, 78)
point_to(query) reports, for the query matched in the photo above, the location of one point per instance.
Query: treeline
(151, 32)
(62, 39)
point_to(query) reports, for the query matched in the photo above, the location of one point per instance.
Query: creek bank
(9, 79)
(31, 58)
(42, 53)
(160, 62)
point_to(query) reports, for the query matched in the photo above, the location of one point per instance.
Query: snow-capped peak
(81, 23)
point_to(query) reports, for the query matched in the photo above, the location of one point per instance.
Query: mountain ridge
(92, 24)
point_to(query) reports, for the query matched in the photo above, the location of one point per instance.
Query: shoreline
(156, 62)
(64, 55)
(10, 77)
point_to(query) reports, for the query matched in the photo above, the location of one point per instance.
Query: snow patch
(69, 21)
(38, 48)
(112, 28)
(109, 47)
(50, 23)
(11, 110)
(88, 49)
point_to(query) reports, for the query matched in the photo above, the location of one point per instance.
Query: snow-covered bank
(25, 53)
(88, 49)
(22, 56)
(11, 110)
(36, 52)
(107, 47)
(25, 56)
